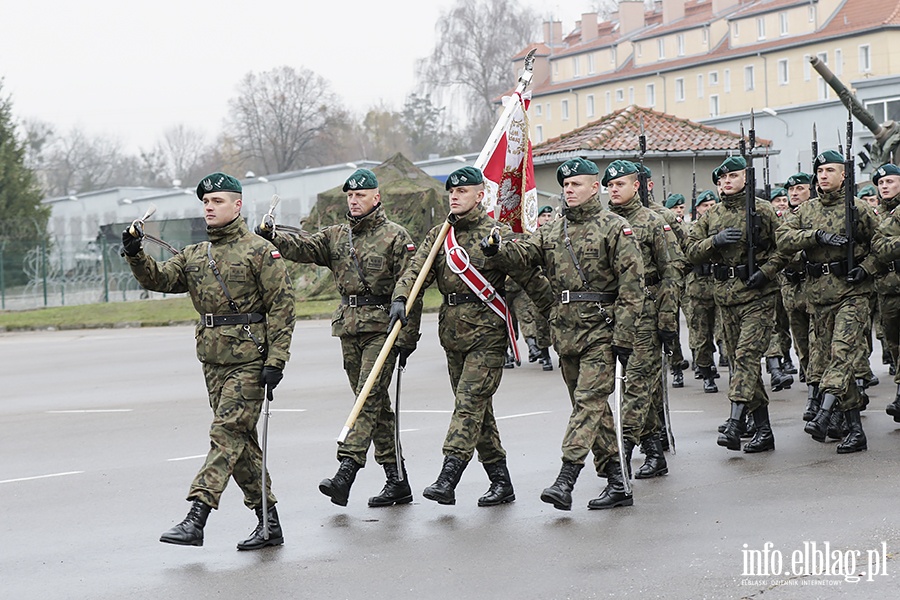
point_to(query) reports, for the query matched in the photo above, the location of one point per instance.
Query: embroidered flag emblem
(410, 247)
(627, 230)
(276, 254)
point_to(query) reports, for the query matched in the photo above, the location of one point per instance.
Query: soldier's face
(622, 189)
(871, 201)
(733, 182)
(704, 206)
(221, 208)
(544, 218)
(464, 198)
(678, 209)
(361, 202)
(798, 193)
(578, 189)
(830, 176)
(889, 186)
(780, 203)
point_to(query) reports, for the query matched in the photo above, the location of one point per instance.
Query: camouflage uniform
(780, 342)
(700, 311)
(259, 283)
(886, 247)
(677, 236)
(531, 322)
(382, 249)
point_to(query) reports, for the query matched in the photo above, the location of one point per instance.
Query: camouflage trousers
(590, 379)
(642, 397)
(798, 318)
(475, 377)
(746, 330)
(890, 326)
(677, 353)
(862, 367)
(840, 330)
(702, 330)
(235, 396)
(375, 422)
(531, 322)
(780, 342)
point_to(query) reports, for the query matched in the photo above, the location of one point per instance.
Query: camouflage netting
(411, 197)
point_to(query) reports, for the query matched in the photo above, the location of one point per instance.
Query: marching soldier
(698, 289)
(242, 288)
(746, 300)
(778, 355)
(662, 284)
(596, 273)
(675, 204)
(837, 294)
(885, 245)
(475, 329)
(366, 256)
(869, 195)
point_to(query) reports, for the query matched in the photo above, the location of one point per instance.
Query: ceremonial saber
(263, 443)
(268, 220)
(398, 450)
(666, 353)
(137, 226)
(617, 418)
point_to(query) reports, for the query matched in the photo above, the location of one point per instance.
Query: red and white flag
(510, 191)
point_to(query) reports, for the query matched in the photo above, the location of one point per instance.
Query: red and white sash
(458, 262)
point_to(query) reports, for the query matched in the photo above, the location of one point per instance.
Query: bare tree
(179, 155)
(278, 117)
(471, 65)
(78, 162)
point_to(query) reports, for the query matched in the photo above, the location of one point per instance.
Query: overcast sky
(131, 70)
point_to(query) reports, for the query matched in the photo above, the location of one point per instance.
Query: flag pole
(492, 141)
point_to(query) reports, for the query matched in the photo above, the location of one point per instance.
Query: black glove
(757, 280)
(403, 356)
(856, 275)
(667, 338)
(266, 228)
(621, 353)
(271, 377)
(398, 311)
(729, 235)
(823, 238)
(490, 245)
(131, 245)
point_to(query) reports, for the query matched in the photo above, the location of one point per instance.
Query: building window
(590, 64)
(807, 68)
(539, 133)
(783, 18)
(590, 105)
(538, 110)
(679, 89)
(661, 47)
(714, 105)
(612, 56)
(726, 83)
(651, 95)
(865, 58)
(713, 78)
(576, 66)
(761, 28)
(705, 36)
(609, 102)
(547, 110)
(620, 95)
(884, 110)
(680, 40)
(640, 50)
(823, 87)
(700, 86)
(812, 12)
(735, 30)
(838, 62)
(748, 78)
(631, 94)
(783, 76)
(564, 108)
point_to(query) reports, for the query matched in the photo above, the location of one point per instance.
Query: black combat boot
(501, 490)
(546, 361)
(723, 360)
(190, 531)
(749, 426)
(802, 375)
(787, 366)
(734, 427)
(677, 377)
(510, 360)
(395, 490)
(818, 426)
(560, 493)
(443, 490)
(893, 408)
(836, 428)
(629, 451)
(257, 539)
(763, 440)
(338, 487)
(709, 382)
(655, 461)
(779, 380)
(534, 352)
(812, 402)
(696, 370)
(614, 493)
(885, 356)
(861, 385)
(856, 438)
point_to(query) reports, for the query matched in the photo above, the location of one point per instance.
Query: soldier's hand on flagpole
(397, 312)
(856, 275)
(621, 354)
(131, 243)
(823, 238)
(490, 245)
(271, 376)
(729, 235)
(757, 280)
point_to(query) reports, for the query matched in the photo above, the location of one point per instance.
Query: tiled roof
(619, 131)
(765, 6)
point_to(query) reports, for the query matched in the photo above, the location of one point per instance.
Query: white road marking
(407, 430)
(437, 412)
(186, 458)
(90, 410)
(531, 414)
(42, 476)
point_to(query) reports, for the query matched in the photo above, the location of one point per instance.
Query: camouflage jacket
(383, 249)
(798, 233)
(472, 325)
(610, 259)
(699, 282)
(730, 212)
(257, 280)
(887, 277)
(662, 261)
(676, 234)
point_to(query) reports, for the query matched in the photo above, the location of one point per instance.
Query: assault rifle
(850, 213)
(751, 217)
(815, 152)
(642, 174)
(694, 189)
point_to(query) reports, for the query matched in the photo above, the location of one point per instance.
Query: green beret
(674, 200)
(798, 179)
(730, 165)
(827, 158)
(463, 177)
(362, 179)
(545, 209)
(218, 182)
(779, 191)
(868, 190)
(706, 196)
(646, 169)
(886, 169)
(618, 168)
(575, 166)
(716, 174)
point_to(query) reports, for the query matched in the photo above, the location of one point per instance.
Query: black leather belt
(211, 320)
(604, 298)
(704, 270)
(725, 272)
(355, 300)
(838, 268)
(456, 299)
(795, 277)
(651, 280)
